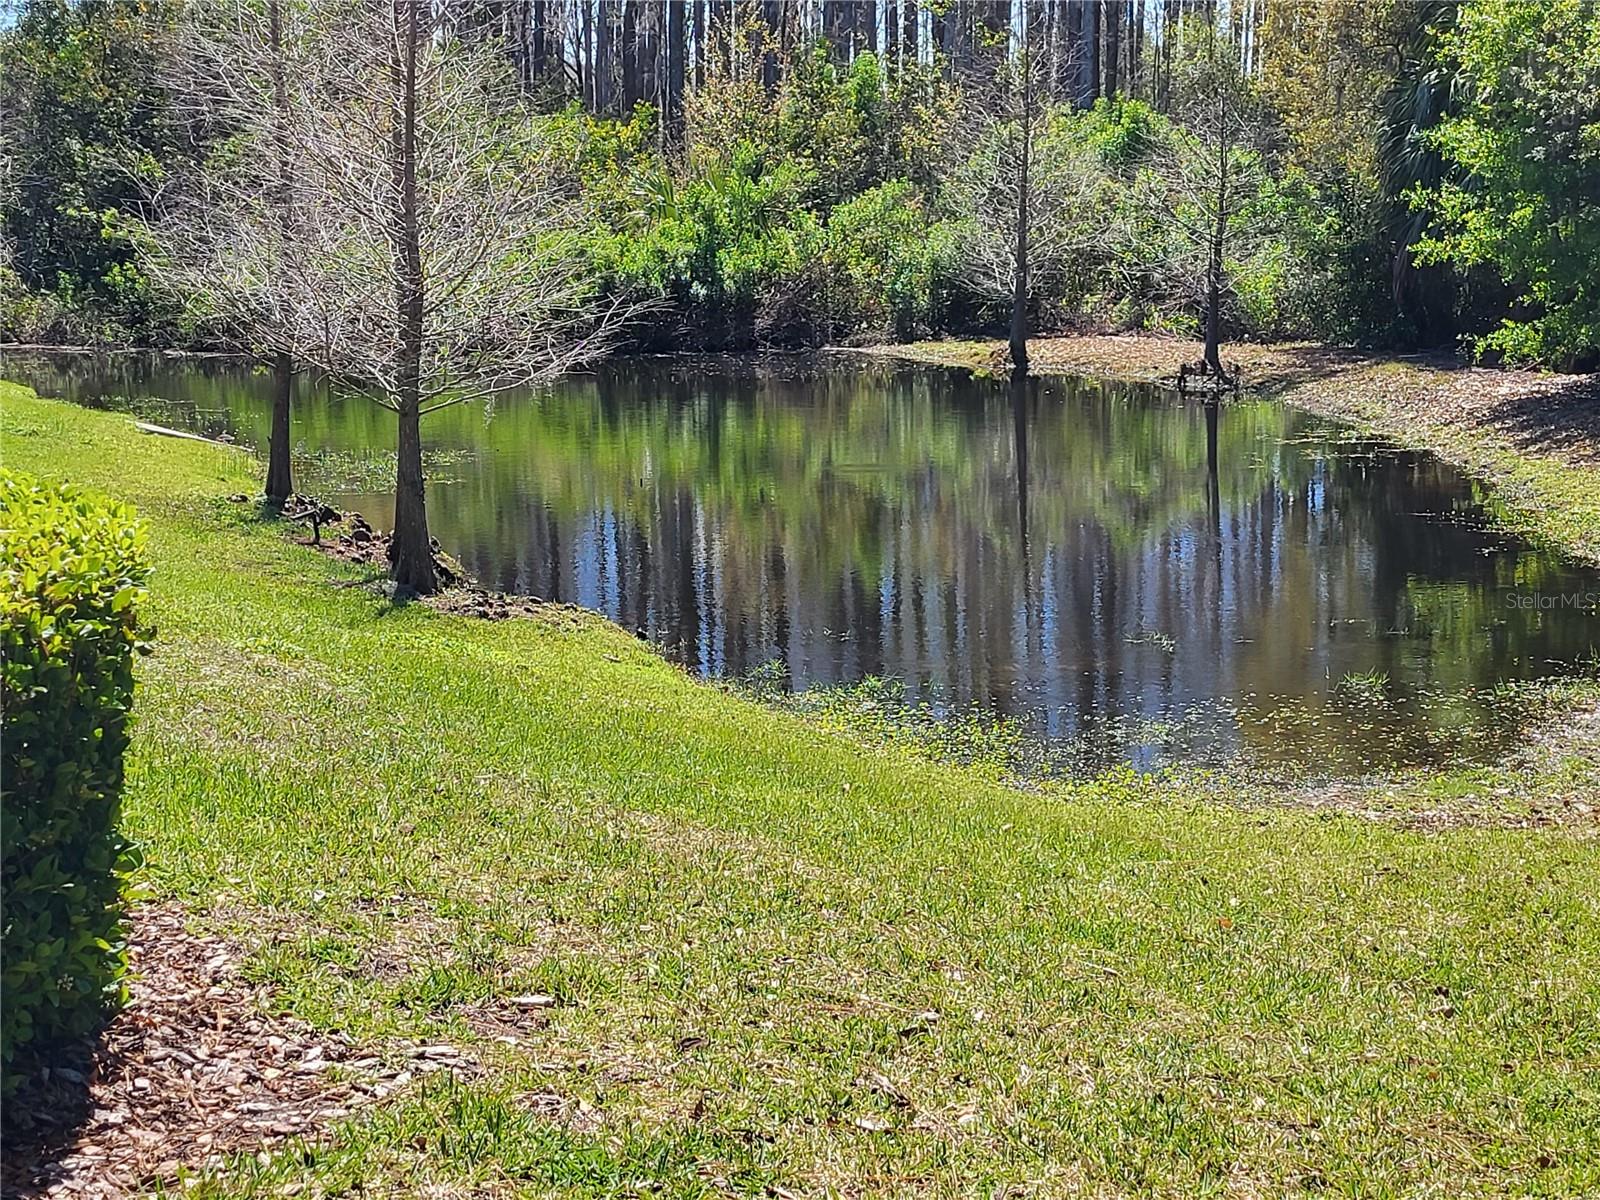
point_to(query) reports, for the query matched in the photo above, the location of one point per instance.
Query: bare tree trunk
(1019, 283)
(1213, 353)
(722, 24)
(702, 22)
(676, 43)
(648, 28)
(1091, 45)
(280, 482)
(1072, 41)
(410, 552)
(1113, 38)
(771, 36)
(631, 75)
(538, 47)
(1136, 71)
(602, 59)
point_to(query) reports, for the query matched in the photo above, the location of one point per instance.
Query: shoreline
(1533, 437)
(1510, 793)
(113, 351)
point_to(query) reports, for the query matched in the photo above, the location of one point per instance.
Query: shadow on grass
(1561, 419)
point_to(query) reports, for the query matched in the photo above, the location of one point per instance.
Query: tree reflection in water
(1093, 557)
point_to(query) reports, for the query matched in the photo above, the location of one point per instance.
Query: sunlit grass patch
(782, 958)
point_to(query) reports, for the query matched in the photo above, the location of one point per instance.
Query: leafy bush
(883, 264)
(1121, 131)
(1525, 148)
(711, 242)
(72, 571)
(832, 120)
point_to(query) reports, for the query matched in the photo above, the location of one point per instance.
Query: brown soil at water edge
(1137, 358)
(1550, 781)
(348, 537)
(1548, 416)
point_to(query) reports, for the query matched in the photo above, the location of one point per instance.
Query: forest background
(801, 172)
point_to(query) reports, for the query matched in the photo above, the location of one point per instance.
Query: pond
(1129, 574)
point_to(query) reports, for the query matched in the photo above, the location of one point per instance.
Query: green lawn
(750, 921)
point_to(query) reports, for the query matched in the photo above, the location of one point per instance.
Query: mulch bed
(195, 1067)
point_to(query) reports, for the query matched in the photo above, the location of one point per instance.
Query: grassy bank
(1535, 438)
(787, 965)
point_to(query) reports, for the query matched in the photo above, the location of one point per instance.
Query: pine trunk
(538, 59)
(632, 73)
(1091, 47)
(1113, 37)
(676, 43)
(771, 36)
(1136, 71)
(702, 40)
(602, 60)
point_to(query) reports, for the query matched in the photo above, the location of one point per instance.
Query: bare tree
(280, 479)
(1207, 175)
(435, 246)
(229, 70)
(1026, 188)
(1026, 106)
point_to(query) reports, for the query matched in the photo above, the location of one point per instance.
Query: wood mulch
(195, 1067)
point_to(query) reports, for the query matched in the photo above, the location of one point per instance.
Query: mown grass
(791, 964)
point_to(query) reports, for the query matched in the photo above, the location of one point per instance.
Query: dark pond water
(1125, 571)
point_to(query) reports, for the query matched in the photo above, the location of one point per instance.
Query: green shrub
(1121, 131)
(884, 263)
(72, 571)
(713, 242)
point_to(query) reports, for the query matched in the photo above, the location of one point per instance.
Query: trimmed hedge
(72, 574)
